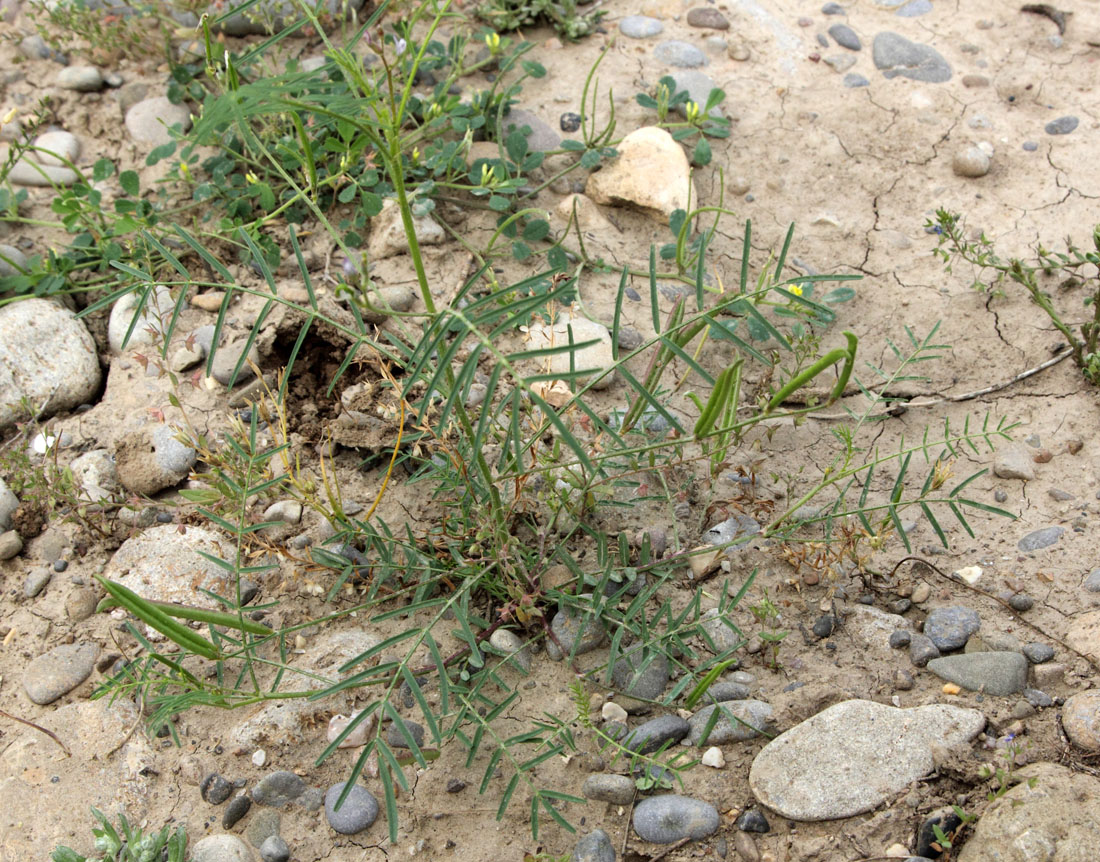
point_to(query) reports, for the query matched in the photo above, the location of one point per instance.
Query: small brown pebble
(815, 57)
(811, 578)
(975, 81)
(1074, 446)
(1042, 456)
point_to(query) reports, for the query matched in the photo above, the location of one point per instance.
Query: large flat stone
(853, 756)
(997, 673)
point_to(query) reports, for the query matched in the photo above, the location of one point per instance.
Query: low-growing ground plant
(1051, 279)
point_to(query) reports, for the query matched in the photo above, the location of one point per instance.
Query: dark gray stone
(667, 819)
(1038, 699)
(946, 819)
(1039, 539)
(59, 671)
(922, 650)
(359, 811)
(833, 9)
(1038, 653)
(1021, 602)
(576, 634)
(845, 37)
(753, 820)
(854, 80)
(396, 738)
(36, 582)
(607, 787)
(824, 625)
(739, 720)
(594, 847)
(648, 737)
(684, 55)
(278, 789)
(640, 27)
(235, 810)
(996, 673)
(950, 628)
(215, 789)
(1062, 126)
(640, 674)
(274, 849)
(900, 638)
(723, 691)
(262, 825)
(1030, 147)
(895, 55)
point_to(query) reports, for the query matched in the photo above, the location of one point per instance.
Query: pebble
(974, 81)
(948, 628)
(900, 638)
(220, 848)
(895, 55)
(903, 680)
(83, 79)
(162, 564)
(226, 357)
(823, 626)
(151, 459)
(648, 737)
(154, 314)
(833, 9)
(753, 820)
(639, 675)
(667, 819)
(738, 51)
(542, 137)
(576, 634)
(385, 301)
(47, 356)
(36, 582)
(1021, 602)
(510, 643)
(12, 260)
(723, 691)
(1037, 698)
(946, 819)
(1039, 539)
(594, 847)
(1081, 720)
(59, 671)
(840, 62)
(1014, 462)
(274, 849)
(455, 785)
(215, 789)
(81, 603)
(851, 757)
(971, 162)
(262, 825)
(713, 758)
(397, 739)
(569, 122)
(1092, 582)
(707, 18)
(11, 543)
(278, 789)
(845, 37)
(996, 673)
(611, 711)
(1000, 495)
(914, 9)
(235, 810)
(288, 511)
(640, 27)
(148, 121)
(1062, 126)
(684, 55)
(853, 80)
(96, 473)
(1038, 653)
(645, 152)
(606, 787)
(920, 593)
(749, 719)
(34, 48)
(358, 812)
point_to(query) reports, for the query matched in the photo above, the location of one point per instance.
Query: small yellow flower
(796, 289)
(488, 178)
(416, 155)
(185, 171)
(492, 42)
(251, 178)
(693, 111)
